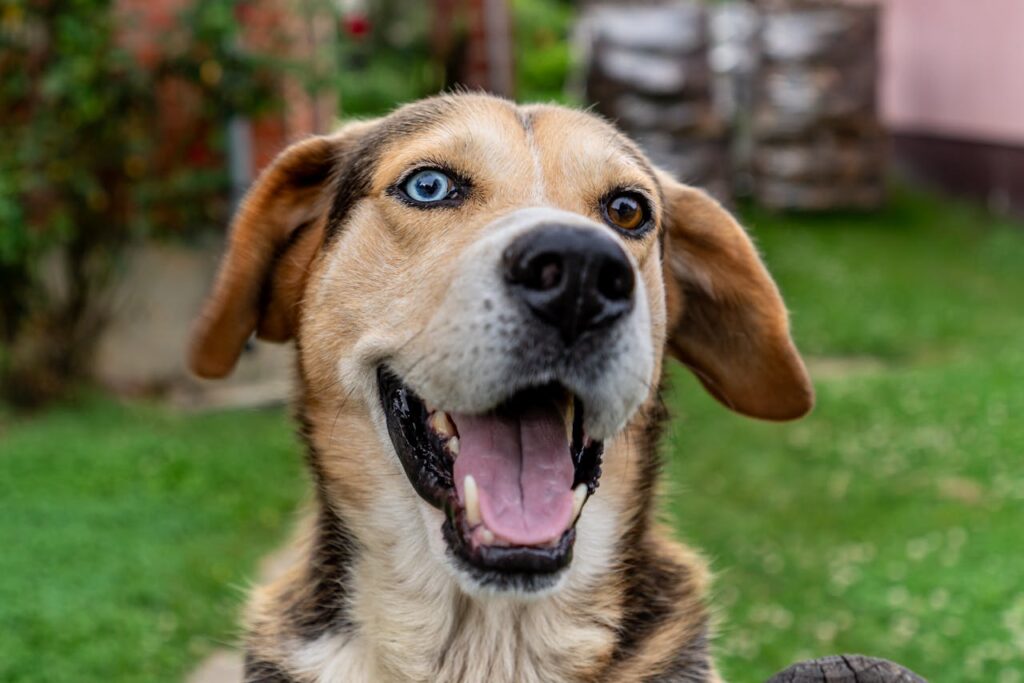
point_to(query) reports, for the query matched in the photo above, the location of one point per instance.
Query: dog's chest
(409, 632)
(531, 643)
(495, 645)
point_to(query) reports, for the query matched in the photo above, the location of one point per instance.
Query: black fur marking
(320, 605)
(656, 585)
(323, 606)
(652, 593)
(264, 672)
(692, 664)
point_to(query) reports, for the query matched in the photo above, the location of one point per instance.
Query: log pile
(646, 69)
(817, 141)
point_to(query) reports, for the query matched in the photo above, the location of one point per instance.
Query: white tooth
(579, 496)
(472, 501)
(442, 424)
(453, 446)
(487, 536)
(570, 417)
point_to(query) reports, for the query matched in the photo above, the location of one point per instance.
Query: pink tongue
(523, 472)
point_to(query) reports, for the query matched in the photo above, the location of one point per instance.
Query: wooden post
(482, 57)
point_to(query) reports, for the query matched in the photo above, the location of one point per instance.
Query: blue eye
(429, 186)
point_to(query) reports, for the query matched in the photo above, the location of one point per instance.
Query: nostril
(539, 271)
(547, 271)
(615, 280)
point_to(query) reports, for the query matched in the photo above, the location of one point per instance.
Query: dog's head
(482, 295)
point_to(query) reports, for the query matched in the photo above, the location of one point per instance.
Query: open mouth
(512, 482)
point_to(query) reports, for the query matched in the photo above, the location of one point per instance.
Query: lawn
(128, 534)
(888, 522)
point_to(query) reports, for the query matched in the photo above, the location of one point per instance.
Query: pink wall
(954, 68)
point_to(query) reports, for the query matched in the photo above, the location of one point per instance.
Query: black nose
(576, 280)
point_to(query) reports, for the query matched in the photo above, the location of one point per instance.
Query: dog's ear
(275, 234)
(726, 319)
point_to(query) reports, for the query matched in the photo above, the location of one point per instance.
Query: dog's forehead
(498, 138)
(580, 151)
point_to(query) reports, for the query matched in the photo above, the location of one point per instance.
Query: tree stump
(846, 669)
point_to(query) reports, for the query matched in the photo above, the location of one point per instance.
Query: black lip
(429, 470)
(417, 448)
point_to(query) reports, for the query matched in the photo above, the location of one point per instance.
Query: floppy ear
(275, 234)
(726, 319)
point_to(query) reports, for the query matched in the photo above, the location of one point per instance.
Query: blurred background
(875, 150)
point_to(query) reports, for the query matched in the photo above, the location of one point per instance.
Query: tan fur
(357, 288)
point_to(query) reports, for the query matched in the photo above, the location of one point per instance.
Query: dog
(482, 297)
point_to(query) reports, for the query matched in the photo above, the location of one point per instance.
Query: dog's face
(482, 295)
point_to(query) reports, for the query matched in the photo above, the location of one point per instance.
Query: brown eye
(625, 211)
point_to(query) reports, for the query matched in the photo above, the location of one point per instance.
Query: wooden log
(678, 28)
(696, 118)
(618, 69)
(816, 30)
(818, 160)
(847, 669)
(704, 163)
(819, 90)
(784, 195)
(771, 125)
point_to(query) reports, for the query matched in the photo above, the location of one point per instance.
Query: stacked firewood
(817, 141)
(646, 69)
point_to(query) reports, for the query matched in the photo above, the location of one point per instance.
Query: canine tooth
(472, 500)
(441, 423)
(487, 536)
(579, 496)
(453, 446)
(570, 417)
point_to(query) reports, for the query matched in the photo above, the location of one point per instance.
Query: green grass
(128, 534)
(889, 522)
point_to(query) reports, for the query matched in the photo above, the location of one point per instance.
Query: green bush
(396, 64)
(543, 56)
(87, 165)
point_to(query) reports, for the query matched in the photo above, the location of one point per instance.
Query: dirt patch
(839, 367)
(223, 666)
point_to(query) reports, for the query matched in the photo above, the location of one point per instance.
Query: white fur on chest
(414, 622)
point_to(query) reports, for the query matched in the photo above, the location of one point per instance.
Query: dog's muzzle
(540, 351)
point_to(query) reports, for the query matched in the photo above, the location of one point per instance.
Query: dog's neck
(399, 614)
(413, 621)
